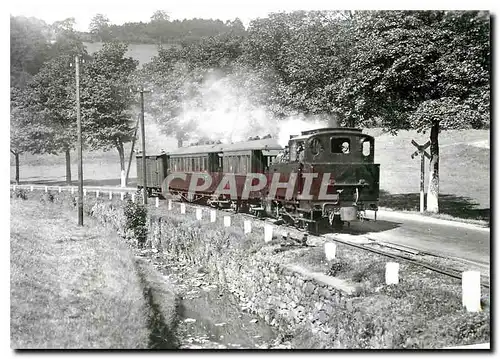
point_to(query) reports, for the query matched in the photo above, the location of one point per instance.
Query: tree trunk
(433, 191)
(68, 167)
(16, 156)
(121, 153)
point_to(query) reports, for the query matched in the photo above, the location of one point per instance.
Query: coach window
(341, 145)
(366, 148)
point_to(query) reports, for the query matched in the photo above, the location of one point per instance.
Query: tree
(423, 70)
(29, 45)
(107, 101)
(100, 28)
(160, 16)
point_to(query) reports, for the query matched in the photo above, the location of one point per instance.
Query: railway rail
(409, 255)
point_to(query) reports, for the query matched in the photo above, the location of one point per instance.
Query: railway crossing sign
(421, 149)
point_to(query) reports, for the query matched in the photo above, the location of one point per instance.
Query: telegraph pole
(79, 144)
(143, 140)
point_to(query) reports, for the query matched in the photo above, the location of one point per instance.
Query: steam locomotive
(325, 176)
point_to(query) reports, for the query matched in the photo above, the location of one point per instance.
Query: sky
(131, 11)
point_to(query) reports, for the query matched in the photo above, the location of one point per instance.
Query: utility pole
(143, 140)
(79, 144)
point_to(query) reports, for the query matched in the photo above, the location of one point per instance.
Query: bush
(135, 220)
(20, 193)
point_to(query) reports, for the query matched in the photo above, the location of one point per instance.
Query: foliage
(136, 219)
(20, 193)
(29, 48)
(106, 98)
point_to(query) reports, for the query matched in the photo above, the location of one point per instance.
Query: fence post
(268, 233)
(97, 194)
(122, 196)
(471, 291)
(330, 251)
(157, 202)
(110, 195)
(227, 221)
(213, 215)
(247, 227)
(183, 208)
(46, 189)
(169, 205)
(392, 273)
(31, 188)
(84, 192)
(199, 214)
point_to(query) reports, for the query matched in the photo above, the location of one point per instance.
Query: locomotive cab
(345, 178)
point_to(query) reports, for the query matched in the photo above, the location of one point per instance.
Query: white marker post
(330, 251)
(157, 202)
(183, 208)
(110, 195)
(84, 193)
(133, 197)
(169, 204)
(247, 227)
(392, 273)
(122, 196)
(471, 291)
(14, 187)
(72, 190)
(268, 233)
(97, 194)
(213, 215)
(31, 188)
(227, 221)
(199, 214)
(46, 189)
(60, 190)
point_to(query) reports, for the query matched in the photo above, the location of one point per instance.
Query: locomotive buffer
(423, 153)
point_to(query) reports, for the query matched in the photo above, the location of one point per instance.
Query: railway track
(406, 253)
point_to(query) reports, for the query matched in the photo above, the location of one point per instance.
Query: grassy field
(464, 169)
(71, 287)
(141, 52)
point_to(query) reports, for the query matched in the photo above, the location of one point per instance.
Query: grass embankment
(72, 287)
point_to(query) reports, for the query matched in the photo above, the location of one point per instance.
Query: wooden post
(199, 214)
(422, 177)
(213, 215)
(122, 196)
(392, 273)
(110, 195)
(31, 188)
(183, 208)
(157, 202)
(268, 233)
(46, 189)
(247, 226)
(84, 193)
(97, 194)
(169, 204)
(133, 197)
(59, 189)
(330, 251)
(471, 291)
(227, 221)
